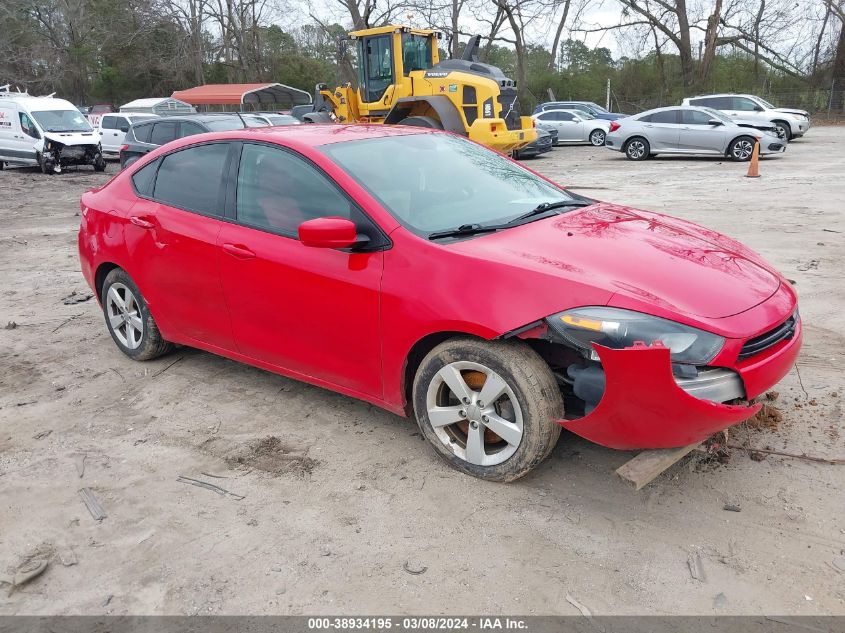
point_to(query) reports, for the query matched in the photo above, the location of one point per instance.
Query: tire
(100, 163)
(637, 148)
(597, 137)
(46, 168)
(118, 288)
(784, 131)
(422, 121)
(741, 148)
(527, 408)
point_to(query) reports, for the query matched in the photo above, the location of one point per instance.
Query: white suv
(789, 122)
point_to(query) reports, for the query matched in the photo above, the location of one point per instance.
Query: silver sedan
(687, 130)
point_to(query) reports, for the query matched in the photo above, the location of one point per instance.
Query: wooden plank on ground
(643, 468)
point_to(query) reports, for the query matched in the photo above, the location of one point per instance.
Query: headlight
(617, 328)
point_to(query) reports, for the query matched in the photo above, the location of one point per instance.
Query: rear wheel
(741, 148)
(422, 121)
(597, 137)
(489, 408)
(637, 148)
(128, 318)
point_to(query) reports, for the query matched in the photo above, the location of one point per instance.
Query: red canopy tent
(243, 94)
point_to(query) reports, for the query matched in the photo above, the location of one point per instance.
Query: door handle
(648, 125)
(141, 221)
(238, 250)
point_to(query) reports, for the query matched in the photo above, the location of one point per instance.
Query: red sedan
(435, 278)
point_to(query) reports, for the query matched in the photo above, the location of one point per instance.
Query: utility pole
(607, 99)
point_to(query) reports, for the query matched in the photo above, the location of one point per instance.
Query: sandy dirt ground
(345, 508)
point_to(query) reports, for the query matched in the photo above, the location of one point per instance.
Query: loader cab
(386, 58)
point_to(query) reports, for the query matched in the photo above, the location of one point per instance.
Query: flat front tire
(489, 408)
(128, 318)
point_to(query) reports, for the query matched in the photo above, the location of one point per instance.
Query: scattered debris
(208, 486)
(74, 298)
(67, 557)
(720, 601)
(23, 404)
(807, 598)
(28, 571)
(414, 571)
(107, 600)
(696, 569)
(139, 441)
(41, 434)
(812, 458)
(66, 321)
(252, 523)
(647, 465)
(213, 475)
(268, 454)
(92, 504)
(768, 417)
(80, 464)
(584, 610)
(11, 325)
(813, 264)
(772, 395)
(831, 231)
(732, 507)
(161, 371)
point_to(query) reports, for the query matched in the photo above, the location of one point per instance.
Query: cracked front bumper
(643, 406)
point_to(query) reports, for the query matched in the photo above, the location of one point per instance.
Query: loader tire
(422, 121)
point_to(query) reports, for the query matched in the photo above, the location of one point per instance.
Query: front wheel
(783, 130)
(128, 318)
(741, 148)
(99, 163)
(489, 408)
(637, 148)
(597, 138)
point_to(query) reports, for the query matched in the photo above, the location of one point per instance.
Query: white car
(113, 127)
(790, 123)
(574, 126)
(48, 132)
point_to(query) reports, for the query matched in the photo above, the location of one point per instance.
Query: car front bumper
(644, 406)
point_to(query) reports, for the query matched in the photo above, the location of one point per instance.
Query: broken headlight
(617, 329)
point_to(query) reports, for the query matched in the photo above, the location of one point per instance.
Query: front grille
(774, 147)
(766, 340)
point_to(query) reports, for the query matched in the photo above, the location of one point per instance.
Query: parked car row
(727, 125)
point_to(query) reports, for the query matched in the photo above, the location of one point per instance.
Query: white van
(113, 127)
(47, 132)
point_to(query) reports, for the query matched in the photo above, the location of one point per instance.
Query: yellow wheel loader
(403, 82)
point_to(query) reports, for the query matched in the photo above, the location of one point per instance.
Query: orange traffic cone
(754, 165)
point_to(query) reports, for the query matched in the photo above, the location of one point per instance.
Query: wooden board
(643, 468)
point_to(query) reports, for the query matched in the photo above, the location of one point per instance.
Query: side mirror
(714, 122)
(330, 232)
(125, 128)
(759, 108)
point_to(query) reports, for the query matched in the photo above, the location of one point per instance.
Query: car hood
(73, 138)
(793, 111)
(642, 256)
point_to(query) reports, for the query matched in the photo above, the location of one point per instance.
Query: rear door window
(144, 179)
(666, 116)
(743, 104)
(142, 132)
(189, 128)
(192, 179)
(108, 123)
(163, 132)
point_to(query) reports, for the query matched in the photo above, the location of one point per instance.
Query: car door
(111, 134)
(662, 130)
(697, 135)
(15, 144)
(313, 311)
(172, 239)
(569, 129)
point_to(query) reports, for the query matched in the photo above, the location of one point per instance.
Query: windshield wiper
(549, 206)
(465, 229)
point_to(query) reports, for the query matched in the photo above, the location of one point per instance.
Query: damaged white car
(47, 132)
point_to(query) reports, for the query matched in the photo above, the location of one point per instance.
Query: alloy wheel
(781, 131)
(124, 316)
(742, 149)
(475, 413)
(597, 138)
(636, 149)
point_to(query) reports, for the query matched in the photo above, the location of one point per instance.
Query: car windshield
(224, 124)
(62, 120)
(765, 103)
(436, 182)
(255, 121)
(716, 114)
(597, 107)
(584, 114)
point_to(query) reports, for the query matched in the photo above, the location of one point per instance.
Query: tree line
(657, 51)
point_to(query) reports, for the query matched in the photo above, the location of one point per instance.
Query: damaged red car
(437, 279)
